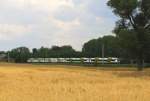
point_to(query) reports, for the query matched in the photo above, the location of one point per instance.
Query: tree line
(92, 48)
(22, 54)
(112, 45)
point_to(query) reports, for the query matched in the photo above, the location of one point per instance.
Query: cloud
(7, 31)
(36, 23)
(65, 13)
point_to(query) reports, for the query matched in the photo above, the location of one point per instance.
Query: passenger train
(74, 60)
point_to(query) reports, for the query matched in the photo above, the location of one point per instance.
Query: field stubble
(69, 83)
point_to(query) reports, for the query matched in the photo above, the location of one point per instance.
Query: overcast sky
(36, 23)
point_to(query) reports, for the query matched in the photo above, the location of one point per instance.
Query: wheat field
(23, 82)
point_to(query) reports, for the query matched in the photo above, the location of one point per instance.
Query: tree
(43, 52)
(64, 52)
(20, 54)
(93, 48)
(67, 51)
(112, 49)
(134, 24)
(90, 49)
(35, 53)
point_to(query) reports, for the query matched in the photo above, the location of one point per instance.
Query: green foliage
(133, 28)
(82, 61)
(20, 54)
(93, 48)
(96, 61)
(123, 8)
(55, 52)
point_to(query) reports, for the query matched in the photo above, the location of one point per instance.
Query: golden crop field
(22, 82)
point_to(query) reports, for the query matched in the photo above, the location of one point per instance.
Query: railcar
(74, 60)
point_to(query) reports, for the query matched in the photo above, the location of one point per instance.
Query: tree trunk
(140, 64)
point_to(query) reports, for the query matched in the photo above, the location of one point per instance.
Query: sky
(36, 23)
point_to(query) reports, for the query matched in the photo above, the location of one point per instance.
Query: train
(111, 60)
